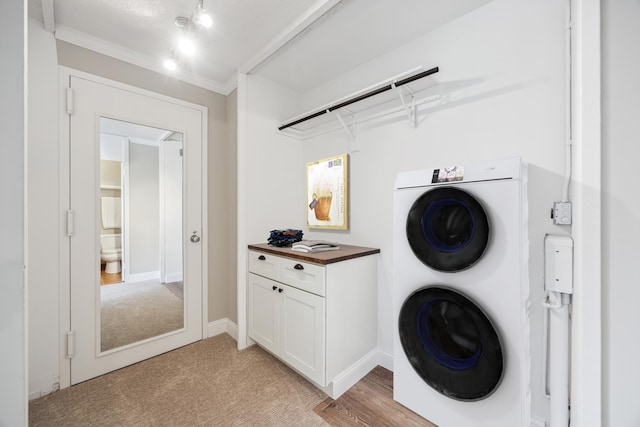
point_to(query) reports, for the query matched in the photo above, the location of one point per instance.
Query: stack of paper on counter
(314, 246)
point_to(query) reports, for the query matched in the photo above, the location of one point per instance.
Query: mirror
(140, 233)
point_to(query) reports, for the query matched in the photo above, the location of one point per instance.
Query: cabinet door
(302, 326)
(262, 312)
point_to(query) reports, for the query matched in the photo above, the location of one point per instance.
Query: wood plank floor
(369, 403)
(109, 279)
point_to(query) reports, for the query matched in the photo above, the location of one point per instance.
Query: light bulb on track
(205, 19)
(188, 30)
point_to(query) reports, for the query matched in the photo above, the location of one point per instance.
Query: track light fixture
(202, 16)
(199, 18)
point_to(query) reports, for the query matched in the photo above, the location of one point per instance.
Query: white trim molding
(385, 359)
(222, 326)
(354, 373)
(241, 146)
(104, 47)
(141, 277)
(350, 376)
(122, 53)
(586, 353)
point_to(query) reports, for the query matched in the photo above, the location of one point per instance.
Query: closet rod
(361, 97)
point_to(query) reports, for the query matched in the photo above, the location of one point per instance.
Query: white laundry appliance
(461, 294)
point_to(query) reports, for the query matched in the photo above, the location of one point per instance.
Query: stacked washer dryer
(461, 294)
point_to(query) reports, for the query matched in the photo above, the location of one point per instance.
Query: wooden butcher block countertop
(345, 252)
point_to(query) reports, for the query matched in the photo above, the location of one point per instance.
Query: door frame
(65, 74)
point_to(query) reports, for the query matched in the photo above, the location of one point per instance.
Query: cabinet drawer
(303, 275)
(264, 264)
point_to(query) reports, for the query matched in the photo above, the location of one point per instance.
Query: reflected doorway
(140, 233)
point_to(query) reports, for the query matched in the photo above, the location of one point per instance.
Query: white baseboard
(222, 326)
(39, 393)
(385, 359)
(173, 277)
(348, 378)
(140, 277)
(538, 422)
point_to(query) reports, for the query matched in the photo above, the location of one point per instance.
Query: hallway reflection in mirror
(140, 233)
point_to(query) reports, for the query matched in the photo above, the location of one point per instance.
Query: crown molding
(104, 47)
(232, 83)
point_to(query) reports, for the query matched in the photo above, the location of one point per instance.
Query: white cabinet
(302, 332)
(317, 317)
(289, 323)
(263, 317)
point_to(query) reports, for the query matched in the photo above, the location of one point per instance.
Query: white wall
(274, 168)
(13, 385)
(502, 77)
(144, 210)
(43, 196)
(621, 212)
(171, 207)
(270, 171)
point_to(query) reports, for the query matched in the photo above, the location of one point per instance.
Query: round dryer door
(447, 229)
(451, 343)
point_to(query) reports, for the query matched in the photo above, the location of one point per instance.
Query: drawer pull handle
(274, 288)
(298, 267)
(261, 258)
(280, 290)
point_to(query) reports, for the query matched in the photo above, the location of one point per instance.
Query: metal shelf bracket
(350, 129)
(409, 108)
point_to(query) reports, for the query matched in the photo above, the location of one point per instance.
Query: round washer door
(451, 343)
(447, 229)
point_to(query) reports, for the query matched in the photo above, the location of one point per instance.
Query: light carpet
(208, 383)
(131, 312)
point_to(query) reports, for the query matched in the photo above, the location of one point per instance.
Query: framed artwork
(327, 190)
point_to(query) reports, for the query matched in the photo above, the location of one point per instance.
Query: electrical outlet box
(562, 213)
(558, 264)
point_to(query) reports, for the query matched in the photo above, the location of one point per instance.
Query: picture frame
(327, 193)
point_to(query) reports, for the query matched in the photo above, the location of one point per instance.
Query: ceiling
(133, 130)
(299, 43)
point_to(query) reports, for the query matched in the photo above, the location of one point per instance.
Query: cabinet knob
(280, 290)
(261, 258)
(298, 267)
(274, 288)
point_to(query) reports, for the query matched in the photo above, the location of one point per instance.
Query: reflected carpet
(132, 312)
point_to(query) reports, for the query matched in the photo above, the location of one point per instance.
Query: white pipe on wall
(558, 283)
(559, 361)
(568, 101)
